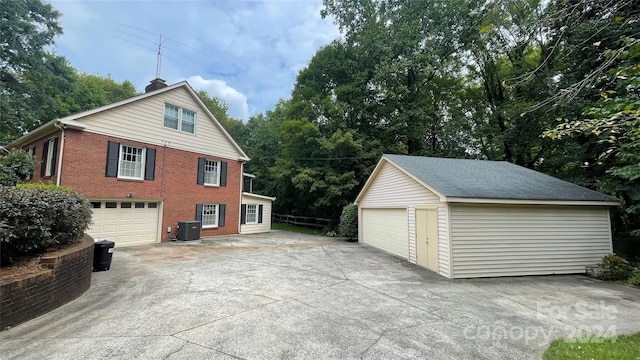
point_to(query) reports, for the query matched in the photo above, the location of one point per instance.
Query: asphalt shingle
(482, 179)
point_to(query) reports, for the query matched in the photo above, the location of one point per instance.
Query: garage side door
(386, 229)
(127, 223)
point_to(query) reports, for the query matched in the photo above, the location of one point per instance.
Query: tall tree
(26, 28)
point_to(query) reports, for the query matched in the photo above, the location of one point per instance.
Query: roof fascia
(258, 196)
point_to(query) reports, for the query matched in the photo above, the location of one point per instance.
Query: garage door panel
(131, 225)
(386, 229)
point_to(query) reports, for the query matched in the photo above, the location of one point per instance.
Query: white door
(386, 229)
(126, 223)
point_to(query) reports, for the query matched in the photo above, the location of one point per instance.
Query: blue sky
(245, 52)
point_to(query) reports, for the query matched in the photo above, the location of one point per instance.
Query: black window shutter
(54, 156)
(200, 171)
(43, 164)
(222, 209)
(113, 151)
(150, 165)
(223, 173)
(199, 213)
(260, 214)
(243, 214)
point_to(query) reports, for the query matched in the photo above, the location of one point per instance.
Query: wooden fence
(304, 221)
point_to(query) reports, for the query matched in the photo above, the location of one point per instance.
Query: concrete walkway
(291, 296)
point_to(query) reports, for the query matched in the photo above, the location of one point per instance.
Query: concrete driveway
(283, 295)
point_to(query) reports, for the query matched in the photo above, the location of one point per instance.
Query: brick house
(146, 163)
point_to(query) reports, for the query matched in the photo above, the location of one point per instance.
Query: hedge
(35, 217)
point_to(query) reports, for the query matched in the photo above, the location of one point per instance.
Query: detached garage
(470, 218)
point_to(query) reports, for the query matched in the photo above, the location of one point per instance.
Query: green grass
(623, 347)
(298, 229)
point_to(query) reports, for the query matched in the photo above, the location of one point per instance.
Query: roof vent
(155, 84)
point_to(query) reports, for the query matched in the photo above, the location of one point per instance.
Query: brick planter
(67, 277)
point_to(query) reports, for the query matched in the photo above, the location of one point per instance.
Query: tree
(219, 108)
(26, 28)
(15, 166)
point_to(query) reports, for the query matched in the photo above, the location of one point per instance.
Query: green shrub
(349, 222)
(615, 268)
(16, 166)
(43, 186)
(33, 218)
(635, 278)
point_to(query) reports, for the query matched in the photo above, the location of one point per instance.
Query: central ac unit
(188, 230)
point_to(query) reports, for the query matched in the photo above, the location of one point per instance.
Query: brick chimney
(155, 84)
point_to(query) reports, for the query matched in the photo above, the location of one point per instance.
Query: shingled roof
(480, 179)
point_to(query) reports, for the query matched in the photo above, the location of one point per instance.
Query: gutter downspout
(241, 189)
(63, 128)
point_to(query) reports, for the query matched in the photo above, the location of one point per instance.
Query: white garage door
(126, 223)
(386, 229)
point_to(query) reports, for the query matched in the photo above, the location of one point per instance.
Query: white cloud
(237, 101)
(245, 52)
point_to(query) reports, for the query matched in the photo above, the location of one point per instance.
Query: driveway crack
(335, 263)
(177, 351)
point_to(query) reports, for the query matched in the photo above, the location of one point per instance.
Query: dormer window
(178, 118)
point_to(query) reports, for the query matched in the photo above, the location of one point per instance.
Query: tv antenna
(159, 60)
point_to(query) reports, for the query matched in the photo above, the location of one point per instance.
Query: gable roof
(479, 179)
(74, 121)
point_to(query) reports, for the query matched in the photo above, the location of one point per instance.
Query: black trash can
(102, 253)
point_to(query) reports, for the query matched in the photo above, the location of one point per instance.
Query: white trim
(263, 197)
(246, 214)
(162, 144)
(450, 276)
(530, 202)
(217, 217)
(180, 118)
(142, 163)
(60, 152)
(48, 166)
(204, 172)
(378, 168)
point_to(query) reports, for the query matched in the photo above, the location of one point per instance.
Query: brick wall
(175, 181)
(68, 276)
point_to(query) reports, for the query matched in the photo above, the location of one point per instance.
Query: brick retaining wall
(67, 277)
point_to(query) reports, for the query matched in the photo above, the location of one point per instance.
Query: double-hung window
(51, 153)
(131, 162)
(178, 118)
(211, 172)
(209, 215)
(252, 214)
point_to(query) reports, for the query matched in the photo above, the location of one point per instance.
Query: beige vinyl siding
(142, 121)
(393, 188)
(511, 240)
(386, 229)
(265, 226)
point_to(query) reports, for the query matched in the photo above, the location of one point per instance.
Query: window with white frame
(209, 215)
(131, 162)
(171, 116)
(252, 214)
(51, 153)
(211, 172)
(178, 118)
